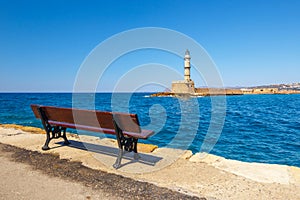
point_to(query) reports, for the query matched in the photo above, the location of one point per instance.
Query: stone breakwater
(203, 175)
(226, 91)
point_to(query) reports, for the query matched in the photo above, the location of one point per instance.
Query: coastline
(209, 176)
(203, 92)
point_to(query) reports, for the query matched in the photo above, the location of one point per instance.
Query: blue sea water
(257, 128)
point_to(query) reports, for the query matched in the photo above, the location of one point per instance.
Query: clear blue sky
(43, 43)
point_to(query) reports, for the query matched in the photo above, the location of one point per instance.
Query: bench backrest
(127, 122)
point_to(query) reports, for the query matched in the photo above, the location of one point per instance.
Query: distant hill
(292, 86)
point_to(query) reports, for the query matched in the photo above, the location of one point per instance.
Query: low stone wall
(217, 91)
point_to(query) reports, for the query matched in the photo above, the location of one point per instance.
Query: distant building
(265, 90)
(247, 90)
(186, 86)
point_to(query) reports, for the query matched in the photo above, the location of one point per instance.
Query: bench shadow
(113, 152)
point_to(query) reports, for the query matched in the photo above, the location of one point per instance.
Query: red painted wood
(96, 121)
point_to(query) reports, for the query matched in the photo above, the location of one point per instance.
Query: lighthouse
(187, 66)
(186, 86)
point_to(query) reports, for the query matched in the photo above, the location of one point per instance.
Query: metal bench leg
(57, 132)
(48, 139)
(136, 154)
(64, 136)
(119, 159)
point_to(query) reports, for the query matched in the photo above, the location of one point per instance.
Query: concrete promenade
(180, 171)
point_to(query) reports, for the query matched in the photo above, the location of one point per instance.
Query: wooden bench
(125, 126)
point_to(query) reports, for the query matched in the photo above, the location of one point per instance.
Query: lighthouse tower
(187, 85)
(187, 66)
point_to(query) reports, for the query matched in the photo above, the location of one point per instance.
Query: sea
(251, 128)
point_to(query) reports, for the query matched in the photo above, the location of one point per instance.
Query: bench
(125, 126)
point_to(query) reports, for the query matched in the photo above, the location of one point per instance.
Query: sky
(44, 43)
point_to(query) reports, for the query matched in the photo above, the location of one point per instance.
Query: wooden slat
(59, 114)
(34, 108)
(127, 122)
